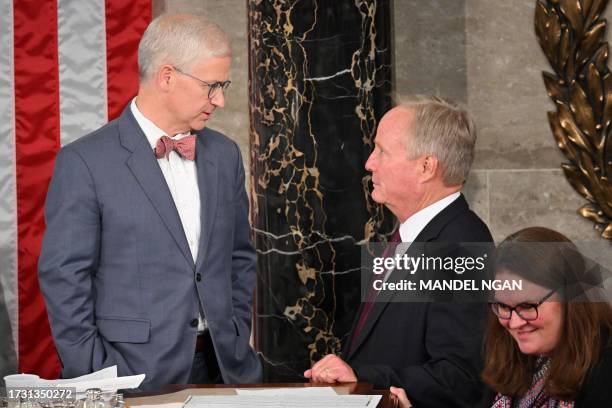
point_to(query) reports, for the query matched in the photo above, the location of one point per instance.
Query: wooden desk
(178, 393)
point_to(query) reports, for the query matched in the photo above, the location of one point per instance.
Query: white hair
(443, 129)
(182, 40)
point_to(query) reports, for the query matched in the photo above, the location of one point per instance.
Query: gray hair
(443, 129)
(182, 40)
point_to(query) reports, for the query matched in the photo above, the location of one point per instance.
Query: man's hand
(399, 398)
(331, 369)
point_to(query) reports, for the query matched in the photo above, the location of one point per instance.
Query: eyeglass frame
(212, 86)
(524, 304)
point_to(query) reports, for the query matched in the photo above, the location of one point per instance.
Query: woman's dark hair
(546, 258)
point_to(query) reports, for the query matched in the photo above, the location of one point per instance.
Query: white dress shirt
(412, 227)
(182, 178)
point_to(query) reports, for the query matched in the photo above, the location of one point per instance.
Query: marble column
(319, 80)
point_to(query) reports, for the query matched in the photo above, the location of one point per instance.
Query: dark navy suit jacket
(433, 350)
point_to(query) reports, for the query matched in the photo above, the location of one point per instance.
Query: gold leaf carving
(591, 41)
(597, 6)
(581, 88)
(586, 7)
(581, 109)
(564, 52)
(601, 57)
(560, 135)
(566, 119)
(572, 10)
(607, 115)
(592, 213)
(595, 88)
(548, 28)
(552, 86)
(607, 232)
(575, 179)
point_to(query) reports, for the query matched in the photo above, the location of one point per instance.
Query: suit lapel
(438, 223)
(429, 233)
(208, 183)
(382, 302)
(348, 345)
(143, 165)
(373, 316)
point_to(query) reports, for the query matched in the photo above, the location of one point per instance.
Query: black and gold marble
(320, 79)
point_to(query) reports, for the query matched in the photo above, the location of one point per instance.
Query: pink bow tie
(185, 147)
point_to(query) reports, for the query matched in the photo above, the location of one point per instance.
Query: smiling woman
(545, 345)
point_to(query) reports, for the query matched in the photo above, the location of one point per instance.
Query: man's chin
(377, 197)
(198, 125)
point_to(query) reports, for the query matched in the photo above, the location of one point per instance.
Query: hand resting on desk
(331, 369)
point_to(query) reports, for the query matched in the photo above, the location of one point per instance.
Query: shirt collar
(150, 129)
(413, 226)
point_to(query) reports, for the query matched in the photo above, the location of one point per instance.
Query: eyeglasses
(526, 311)
(213, 87)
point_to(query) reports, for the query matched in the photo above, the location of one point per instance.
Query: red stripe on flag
(125, 23)
(37, 135)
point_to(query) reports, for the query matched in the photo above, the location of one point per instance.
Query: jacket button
(198, 277)
(194, 323)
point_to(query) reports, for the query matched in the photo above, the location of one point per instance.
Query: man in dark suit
(422, 156)
(147, 261)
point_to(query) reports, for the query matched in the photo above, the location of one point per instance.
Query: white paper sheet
(106, 384)
(169, 405)
(108, 372)
(306, 391)
(283, 401)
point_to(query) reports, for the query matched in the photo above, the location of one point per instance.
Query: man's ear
(429, 167)
(165, 77)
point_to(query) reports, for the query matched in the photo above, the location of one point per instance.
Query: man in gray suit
(147, 261)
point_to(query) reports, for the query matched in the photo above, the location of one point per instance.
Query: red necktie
(185, 147)
(372, 293)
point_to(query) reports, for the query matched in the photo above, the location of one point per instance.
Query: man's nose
(369, 165)
(218, 99)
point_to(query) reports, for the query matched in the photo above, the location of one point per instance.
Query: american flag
(66, 68)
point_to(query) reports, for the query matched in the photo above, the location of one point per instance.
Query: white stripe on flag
(8, 196)
(82, 67)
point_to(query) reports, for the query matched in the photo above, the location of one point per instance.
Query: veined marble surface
(320, 79)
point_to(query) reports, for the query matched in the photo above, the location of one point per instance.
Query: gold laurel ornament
(572, 36)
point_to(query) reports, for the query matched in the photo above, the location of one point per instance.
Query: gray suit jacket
(116, 271)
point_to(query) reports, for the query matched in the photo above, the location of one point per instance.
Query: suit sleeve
(450, 377)
(68, 263)
(243, 254)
